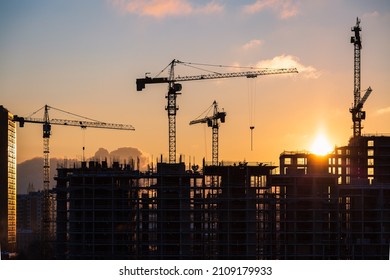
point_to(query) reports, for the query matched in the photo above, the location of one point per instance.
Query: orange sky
(84, 57)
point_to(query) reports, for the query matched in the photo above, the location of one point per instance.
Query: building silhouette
(337, 206)
(171, 213)
(7, 181)
(308, 208)
(317, 207)
(29, 224)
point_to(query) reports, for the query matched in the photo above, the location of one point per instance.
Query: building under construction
(171, 213)
(319, 207)
(336, 206)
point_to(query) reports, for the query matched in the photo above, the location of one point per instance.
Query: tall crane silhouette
(48, 211)
(47, 122)
(174, 88)
(213, 122)
(357, 114)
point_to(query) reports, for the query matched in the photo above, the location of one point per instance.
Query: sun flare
(321, 145)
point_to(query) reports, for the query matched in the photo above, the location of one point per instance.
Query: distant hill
(31, 171)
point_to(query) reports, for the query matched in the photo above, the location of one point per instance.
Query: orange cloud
(164, 8)
(252, 44)
(284, 8)
(383, 111)
(289, 61)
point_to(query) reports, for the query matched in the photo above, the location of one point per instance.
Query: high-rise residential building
(29, 219)
(7, 181)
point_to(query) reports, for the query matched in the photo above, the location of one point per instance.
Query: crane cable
(205, 113)
(252, 107)
(83, 129)
(222, 66)
(33, 113)
(205, 141)
(63, 111)
(196, 66)
(75, 115)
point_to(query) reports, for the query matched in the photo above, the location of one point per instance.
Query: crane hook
(251, 128)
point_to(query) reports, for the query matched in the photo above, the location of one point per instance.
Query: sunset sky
(84, 56)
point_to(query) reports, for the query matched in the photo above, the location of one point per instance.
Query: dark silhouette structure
(318, 207)
(171, 213)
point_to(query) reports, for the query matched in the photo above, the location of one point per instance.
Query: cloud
(383, 111)
(289, 61)
(373, 14)
(284, 8)
(164, 8)
(252, 44)
(122, 155)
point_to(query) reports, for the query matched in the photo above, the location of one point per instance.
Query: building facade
(7, 181)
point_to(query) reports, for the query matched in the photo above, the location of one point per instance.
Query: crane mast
(174, 89)
(357, 114)
(46, 149)
(213, 122)
(47, 122)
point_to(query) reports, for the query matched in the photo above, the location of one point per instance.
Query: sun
(321, 145)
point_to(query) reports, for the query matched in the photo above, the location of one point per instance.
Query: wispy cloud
(252, 44)
(289, 61)
(165, 8)
(284, 8)
(373, 14)
(383, 111)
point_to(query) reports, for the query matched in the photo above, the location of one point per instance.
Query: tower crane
(174, 88)
(213, 122)
(357, 114)
(47, 122)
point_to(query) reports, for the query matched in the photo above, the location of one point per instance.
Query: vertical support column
(215, 143)
(46, 164)
(357, 114)
(46, 221)
(172, 109)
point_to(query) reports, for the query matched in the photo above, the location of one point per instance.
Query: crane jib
(248, 74)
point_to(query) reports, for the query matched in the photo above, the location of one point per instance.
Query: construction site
(309, 207)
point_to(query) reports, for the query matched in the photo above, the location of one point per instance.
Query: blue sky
(84, 57)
